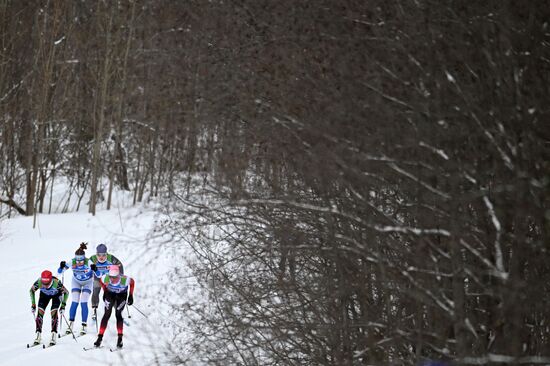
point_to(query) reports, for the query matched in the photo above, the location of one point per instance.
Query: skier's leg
(120, 303)
(109, 301)
(43, 301)
(74, 304)
(86, 291)
(84, 307)
(56, 301)
(95, 294)
(75, 290)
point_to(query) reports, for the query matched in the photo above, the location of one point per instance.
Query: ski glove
(62, 264)
(130, 299)
(33, 308)
(93, 267)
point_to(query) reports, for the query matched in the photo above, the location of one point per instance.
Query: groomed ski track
(27, 251)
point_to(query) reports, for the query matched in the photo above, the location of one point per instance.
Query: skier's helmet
(114, 271)
(46, 278)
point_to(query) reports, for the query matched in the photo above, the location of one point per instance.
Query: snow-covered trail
(26, 252)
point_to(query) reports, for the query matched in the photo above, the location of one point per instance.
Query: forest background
(364, 182)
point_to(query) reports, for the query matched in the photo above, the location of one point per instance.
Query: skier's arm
(103, 285)
(132, 284)
(62, 267)
(65, 296)
(131, 296)
(33, 289)
(93, 268)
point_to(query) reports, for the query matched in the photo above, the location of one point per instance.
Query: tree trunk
(27, 129)
(42, 192)
(118, 166)
(137, 175)
(96, 162)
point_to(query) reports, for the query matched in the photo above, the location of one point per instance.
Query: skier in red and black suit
(103, 261)
(115, 287)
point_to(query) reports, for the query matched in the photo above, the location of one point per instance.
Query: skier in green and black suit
(102, 260)
(50, 288)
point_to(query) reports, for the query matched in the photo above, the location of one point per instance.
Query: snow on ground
(128, 233)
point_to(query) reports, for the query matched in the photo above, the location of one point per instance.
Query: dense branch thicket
(376, 173)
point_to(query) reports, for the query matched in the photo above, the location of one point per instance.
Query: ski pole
(60, 296)
(97, 290)
(69, 327)
(128, 309)
(96, 326)
(141, 312)
(60, 324)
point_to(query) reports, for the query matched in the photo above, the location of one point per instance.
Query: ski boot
(119, 341)
(38, 338)
(53, 341)
(70, 329)
(83, 330)
(97, 343)
(94, 313)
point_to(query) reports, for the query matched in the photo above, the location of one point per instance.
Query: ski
(115, 349)
(30, 345)
(91, 348)
(49, 345)
(76, 335)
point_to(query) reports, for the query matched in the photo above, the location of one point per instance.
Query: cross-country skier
(102, 260)
(115, 287)
(50, 288)
(81, 285)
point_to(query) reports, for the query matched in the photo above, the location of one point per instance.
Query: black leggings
(43, 301)
(117, 301)
(95, 293)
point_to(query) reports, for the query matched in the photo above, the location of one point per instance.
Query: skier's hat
(101, 249)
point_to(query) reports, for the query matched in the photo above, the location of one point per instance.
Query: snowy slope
(128, 234)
